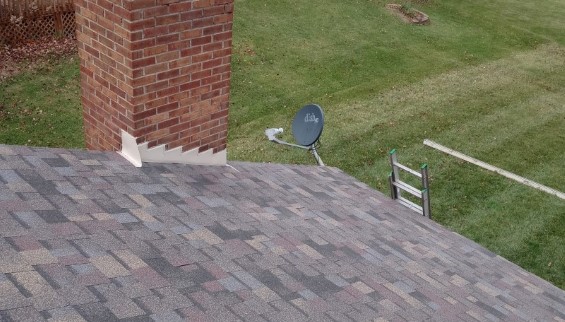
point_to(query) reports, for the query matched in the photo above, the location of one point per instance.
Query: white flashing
(129, 149)
(138, 153)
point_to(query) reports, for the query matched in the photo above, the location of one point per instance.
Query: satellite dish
(308, 124)
(307, 127)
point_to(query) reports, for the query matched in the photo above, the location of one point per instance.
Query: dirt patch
(32, 54)
(408, 14)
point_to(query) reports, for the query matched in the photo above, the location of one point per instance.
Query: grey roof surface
(87, 236)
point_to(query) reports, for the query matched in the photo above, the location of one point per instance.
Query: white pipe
(487, 166)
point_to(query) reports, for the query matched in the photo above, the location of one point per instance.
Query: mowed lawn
(486, 78)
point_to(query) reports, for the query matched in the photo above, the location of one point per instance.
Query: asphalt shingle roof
(87, 236)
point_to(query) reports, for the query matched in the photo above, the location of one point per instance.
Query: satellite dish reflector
(307, 127)
(308, 124)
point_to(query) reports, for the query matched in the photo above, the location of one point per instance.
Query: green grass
(486, 78)
(42, 107)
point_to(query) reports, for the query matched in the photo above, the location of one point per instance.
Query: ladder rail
(398, 186)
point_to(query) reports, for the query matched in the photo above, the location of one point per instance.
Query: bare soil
(411, 16)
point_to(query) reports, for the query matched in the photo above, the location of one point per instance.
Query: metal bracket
(272, 136)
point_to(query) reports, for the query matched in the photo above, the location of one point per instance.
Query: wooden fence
(21, 20)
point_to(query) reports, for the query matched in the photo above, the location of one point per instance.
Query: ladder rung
(408, 188)
(410, 205)
(407, 169)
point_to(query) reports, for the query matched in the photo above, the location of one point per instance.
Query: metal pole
(426, 191)
(391, 185)
(315, 153)
(395, 174)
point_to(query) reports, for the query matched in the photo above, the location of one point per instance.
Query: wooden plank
(492, 168)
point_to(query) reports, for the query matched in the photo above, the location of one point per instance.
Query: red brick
(156, 86)
(155, 11)
(211, 80)
(155, 68)
(168, 56)
(152, 51)
(191, 15)
(212, 63)
(190, 85)
(213, 47)
(159, 69)
(86, 71)
(168, 91)
(190, 34)
(179, 80)
(166, 2)
(105, 23)
(125, 14)
(135, 36)
(168, 123)
(145, 80)
(202, 74)
(92, 51)
(143, 62)
(168, 74)
(145, 114)
(223, 36)
(168, 138)
(201, 41)
(203, 22)
(181, 127)
(142, 99)
(168, 39)
(113, 17)
(180, 62)
(213, 11)
(220, 114)
(139, 24)
(190, 51)
(105, 4)
(155, 31)
(138, 4)
(178, 45)
(107, 42)
(168, 107)
(180, 7)
(226, 52)
(135, 55)
(212, 30)
(221, 19)
(95, 9)
(180, 27)
(142, 44)
(108, 61)
(167, 20)
(222, 84)
(142, 132)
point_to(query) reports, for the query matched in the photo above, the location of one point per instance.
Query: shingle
(88, 235)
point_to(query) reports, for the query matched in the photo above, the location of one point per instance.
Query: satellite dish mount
(307, 128)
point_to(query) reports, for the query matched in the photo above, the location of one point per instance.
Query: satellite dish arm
(318, 159)
(271, 135)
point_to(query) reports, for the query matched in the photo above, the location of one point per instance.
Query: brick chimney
(155, 77)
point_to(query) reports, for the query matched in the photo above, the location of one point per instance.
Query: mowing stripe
(487, 166)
